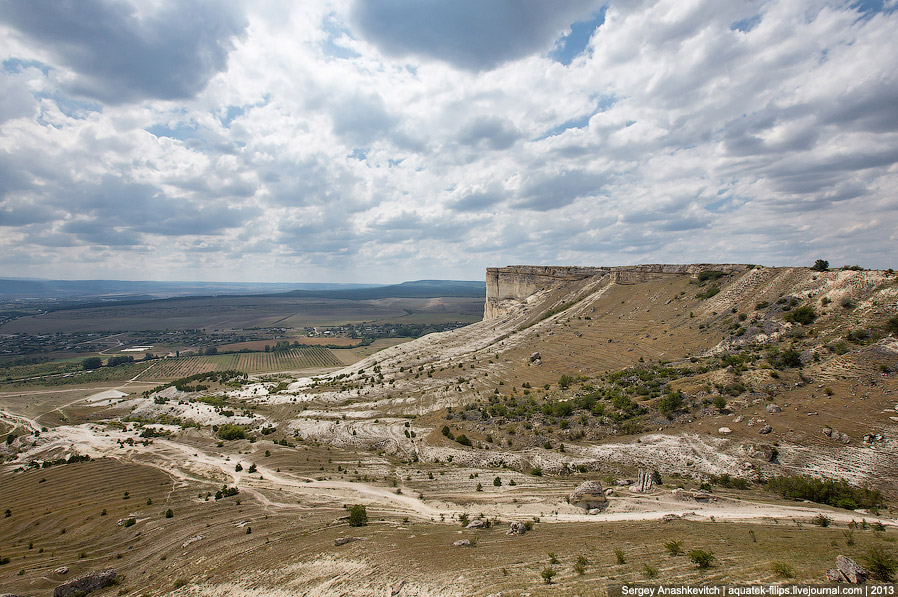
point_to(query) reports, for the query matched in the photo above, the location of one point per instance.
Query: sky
(391, 140)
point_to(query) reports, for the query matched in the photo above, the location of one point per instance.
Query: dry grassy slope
(611, 326)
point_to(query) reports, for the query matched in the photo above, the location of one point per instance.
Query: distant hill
(416, 289)
(35, 288)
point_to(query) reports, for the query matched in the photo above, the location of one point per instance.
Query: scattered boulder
(724, 430)
(62, 570)
(847, 571)
(86, 584)
(670, 517)
(609, 492)
(517, 528)
(476, 524)
(463, 543)
(589, 496)
(738, 419)
(765, 430)
(828, 431)
(758, 451)
(774, 408)
(843, 437)
(345, 540)
(535, 357)
(623, 482)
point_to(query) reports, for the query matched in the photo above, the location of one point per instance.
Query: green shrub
(649, 571)
(548, 573)
(881, 564)
(822, 520)
(782, 570)
(708, 292)
(825, 491)
(701, 558)
(619, 556)
(821, 265)
(804, 315)
(553, 559)
(358, 516)
(497, 482)
(565, 381)
(674, 548)
(669, 403)
(463, 440)
(169, 513)
(229, 431)
(536, 471)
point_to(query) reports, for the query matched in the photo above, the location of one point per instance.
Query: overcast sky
(390, 140)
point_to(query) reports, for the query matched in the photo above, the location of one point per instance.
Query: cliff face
(517, 282)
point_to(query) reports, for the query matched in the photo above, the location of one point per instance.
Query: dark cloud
(479, 200)
(469, 34)
(489, 132)
(558, 191)
(120, 55)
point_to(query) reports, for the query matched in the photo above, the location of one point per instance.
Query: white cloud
(355, 141)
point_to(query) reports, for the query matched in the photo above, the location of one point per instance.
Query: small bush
(536, 472)
(674, 548)
(565, 381)
(782, 570)
(358, 516)
(497, 482)
(169, 513)
(463, 440)
(822, 520)
(701, 558)
(708, 292)
(553, 559)
(881, 564)
(580, 565)
(649, 571)
(619, 556)
(821, 265)
(231, 432)
(4, 561)
(803, 315)
(548, 574)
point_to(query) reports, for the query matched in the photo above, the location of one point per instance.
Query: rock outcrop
(518, 282)
(88, 583)
(644, 482)
(517, 528)
(847, 571)
(589, 496)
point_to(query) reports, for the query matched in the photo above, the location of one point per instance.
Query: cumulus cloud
(382, 141)
(128, 52)
(466, 33)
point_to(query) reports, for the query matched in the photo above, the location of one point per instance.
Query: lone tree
(821, 265)
(92, 363)
(358, 516)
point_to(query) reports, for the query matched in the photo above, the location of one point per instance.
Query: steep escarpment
(680, 350)
(507, 287)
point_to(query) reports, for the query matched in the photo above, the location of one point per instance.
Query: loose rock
(345, 540)
(476, 524)
(62, 570)
(765, 430)
(847, 571)
(774, 408)
(462, 543)
(589, 495)
(86, 584)
(517, 528)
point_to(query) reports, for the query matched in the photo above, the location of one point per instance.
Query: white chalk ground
(190, 463)
(106, 396)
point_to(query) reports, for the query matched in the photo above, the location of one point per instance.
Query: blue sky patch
(746, 25)
(182, 131)
(17, 65)
(574, 43)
